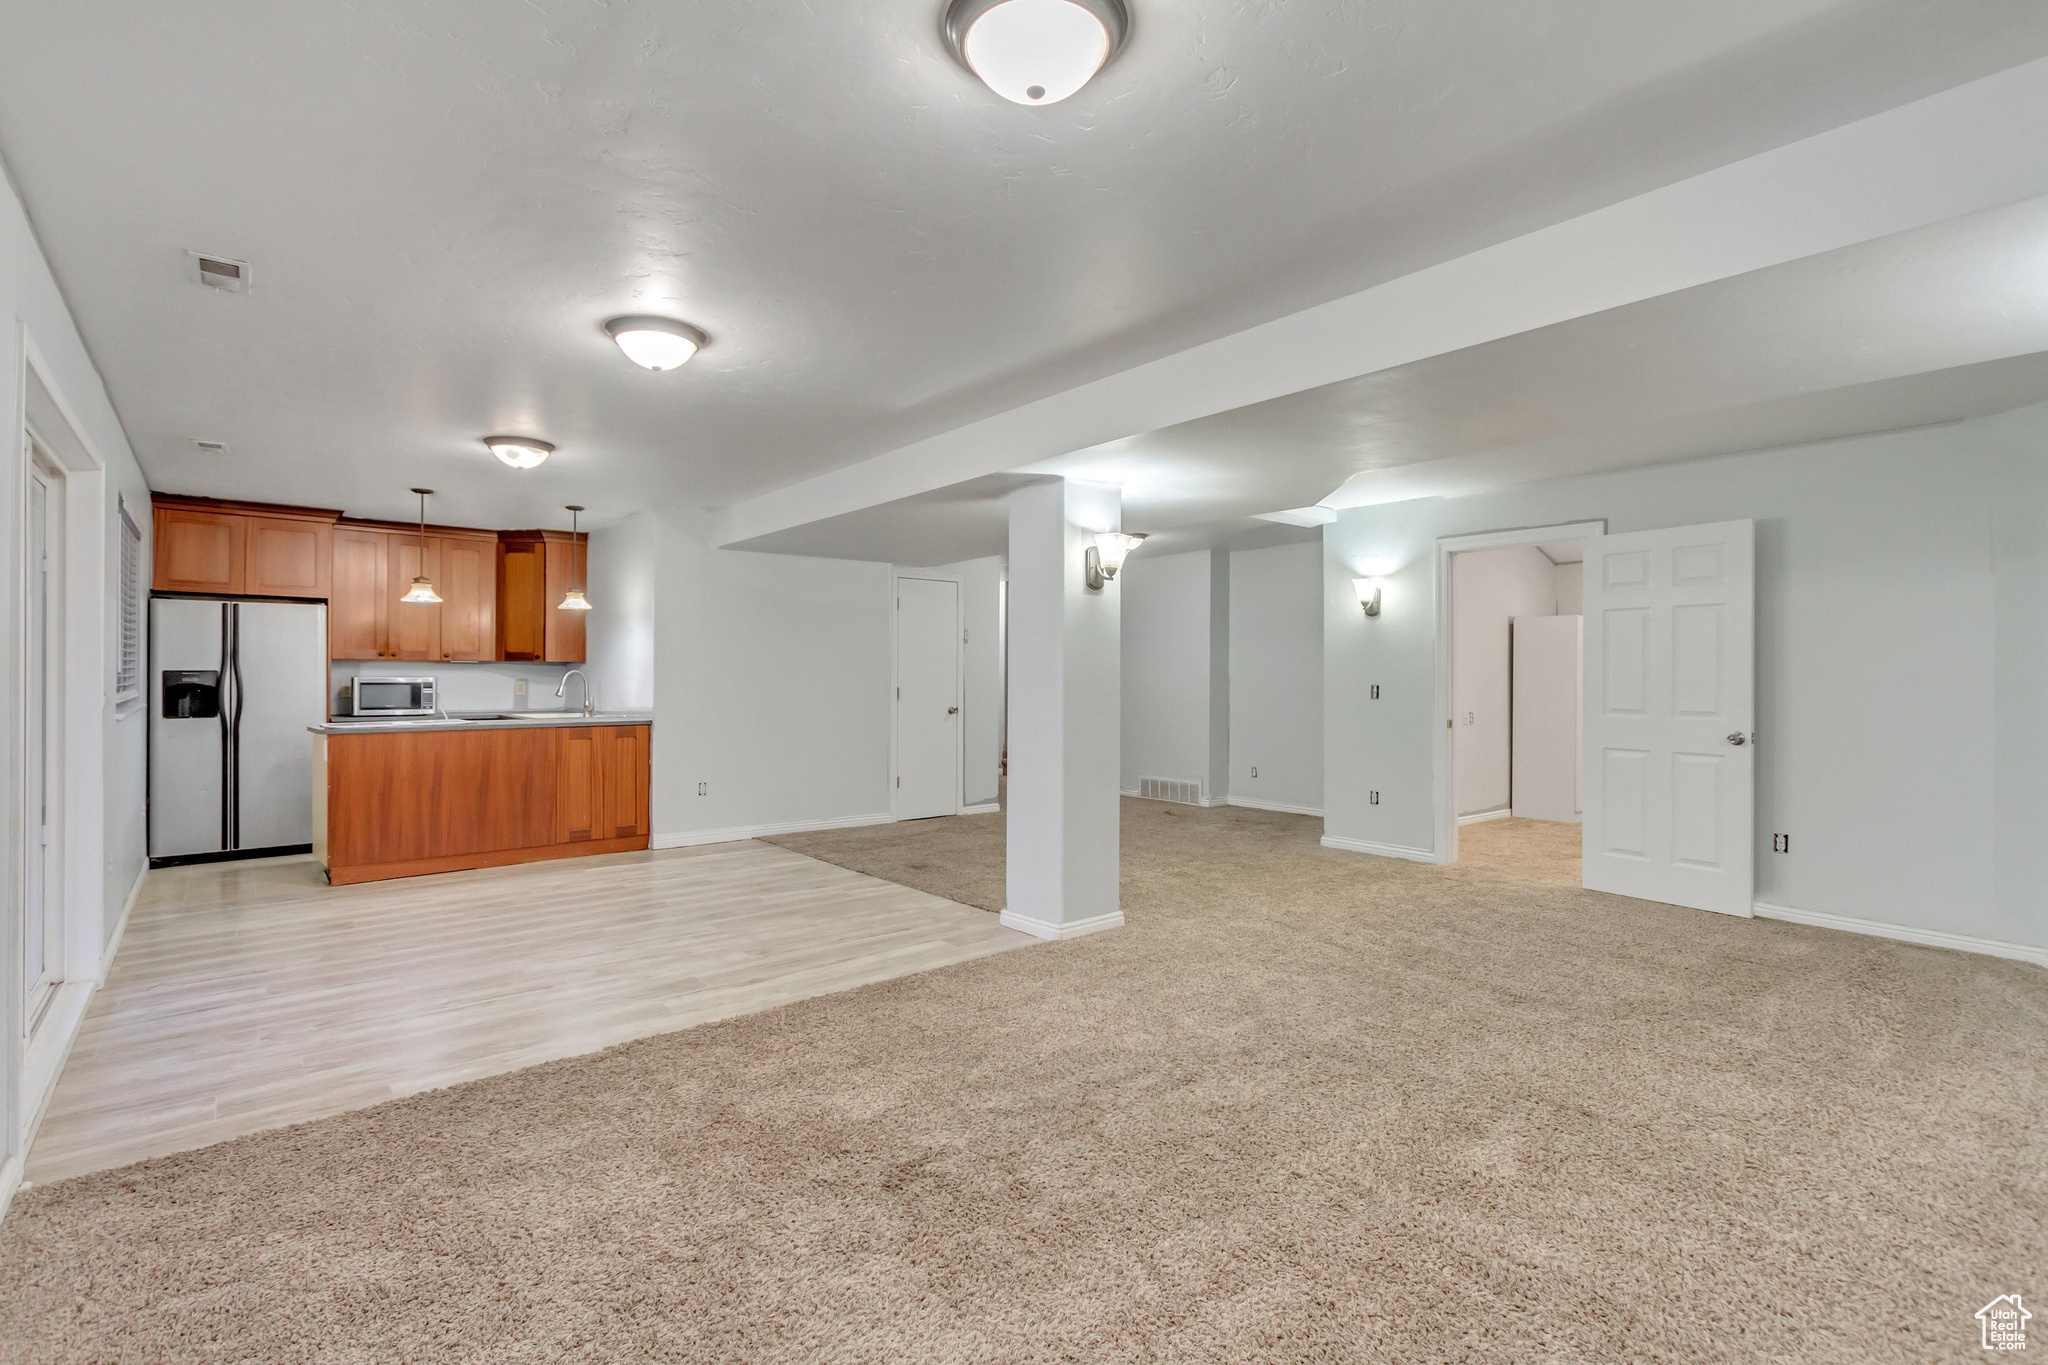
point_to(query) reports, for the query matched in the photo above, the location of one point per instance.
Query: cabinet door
(582, 808)
(199, 551)
(522, 620)
(415, 627)
(564, 628)
(357, 611)
(288, 557)
(468, 596)
(625, 775)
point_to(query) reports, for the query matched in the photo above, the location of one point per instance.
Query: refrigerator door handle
(227, 768)
(235, 651)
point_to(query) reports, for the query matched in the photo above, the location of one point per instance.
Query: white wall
(981, 708)
(104, 807)
(1488, 589)
(1276, 676)
(619, 635)
(1901, 591)
(1167, 647)
(770, 684)
(1570, 581)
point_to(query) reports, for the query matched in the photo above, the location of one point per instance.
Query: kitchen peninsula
(400, 798)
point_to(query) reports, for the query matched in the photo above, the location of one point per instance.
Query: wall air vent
(1166, 789)
(210, 447)
(219, 272)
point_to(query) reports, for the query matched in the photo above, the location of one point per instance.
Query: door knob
(1738, 738)
(952, 710)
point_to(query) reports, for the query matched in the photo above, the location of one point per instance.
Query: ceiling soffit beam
(1951, 154)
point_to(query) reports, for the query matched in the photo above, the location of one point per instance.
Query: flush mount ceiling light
(422, 590)
(573, 600)
(521, 452)
(656, 343)
(1036, 51)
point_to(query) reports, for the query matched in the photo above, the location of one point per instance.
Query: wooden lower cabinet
(404, 803)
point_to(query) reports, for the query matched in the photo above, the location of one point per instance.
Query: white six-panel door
(1670, 714)
(928, 698)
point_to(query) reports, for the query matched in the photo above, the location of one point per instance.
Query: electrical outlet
(1375, 798)
(1781, 843)
(1471, 718)
(1375, 691)
(703, 789)
(519, 689)
(1255, 770)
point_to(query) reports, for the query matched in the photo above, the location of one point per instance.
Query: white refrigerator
(232, 687)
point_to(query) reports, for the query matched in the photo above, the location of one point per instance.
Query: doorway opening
(1515, 708)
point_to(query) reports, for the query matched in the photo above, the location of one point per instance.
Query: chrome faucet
(588, 709)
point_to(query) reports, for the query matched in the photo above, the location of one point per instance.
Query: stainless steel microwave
(392, 697)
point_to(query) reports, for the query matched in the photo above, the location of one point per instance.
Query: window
(128, 649)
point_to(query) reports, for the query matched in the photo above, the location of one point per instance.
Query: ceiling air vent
(1167, 789)
(210, 447)
(220, 272)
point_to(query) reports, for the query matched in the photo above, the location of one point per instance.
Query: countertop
(481, 720)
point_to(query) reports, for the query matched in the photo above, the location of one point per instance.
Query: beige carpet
(1308, 1106)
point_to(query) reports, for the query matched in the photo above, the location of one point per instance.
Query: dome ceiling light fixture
(1036, 51)
(656, 343)
(520, 452)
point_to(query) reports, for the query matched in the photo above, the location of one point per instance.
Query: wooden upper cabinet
(535, 570)
(289, 557)
(415, 628)
(358, 611)
(242, 549)
(199, 550)
(469, 597)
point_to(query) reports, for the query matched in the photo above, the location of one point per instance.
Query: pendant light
(422, 590)
(573, 600)
(1036, 51)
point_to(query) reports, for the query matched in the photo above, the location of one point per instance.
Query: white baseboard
(986, 808)
(1039, 928)
(1251, 803)
(1413, 855)
(694, 837)
(1926, 938)
(121, 924)
(1483, 816)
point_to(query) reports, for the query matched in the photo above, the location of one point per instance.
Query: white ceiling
(1941, 323)
(441, 204)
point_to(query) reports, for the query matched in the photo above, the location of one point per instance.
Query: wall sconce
(1107, 555)
(1368, 595)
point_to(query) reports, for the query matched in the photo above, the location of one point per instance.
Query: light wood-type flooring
(252, 995)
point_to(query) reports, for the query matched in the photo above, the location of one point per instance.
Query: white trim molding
(10, 1182)
(692, 838)
(986, 808)
(1044, 929)
(1926, 938)
(1252, 803)
(1483, 816)
(1413, 855)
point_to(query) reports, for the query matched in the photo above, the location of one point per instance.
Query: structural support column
(1065, 701)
